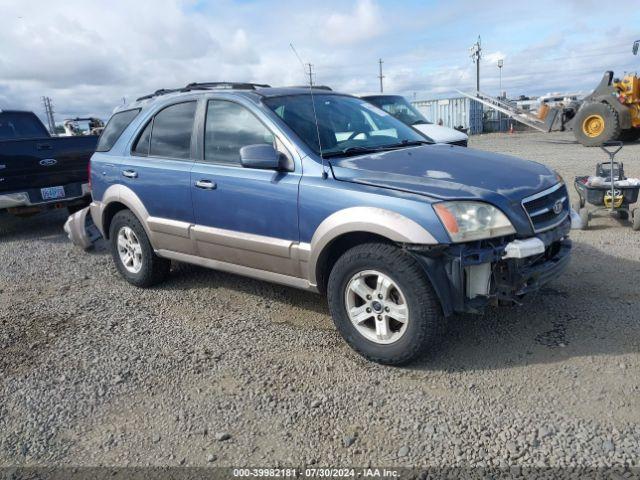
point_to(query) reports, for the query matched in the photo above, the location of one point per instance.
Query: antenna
(313, 104)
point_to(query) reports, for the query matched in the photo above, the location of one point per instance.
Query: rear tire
(398, 289)
(596, 123)
(132, 252)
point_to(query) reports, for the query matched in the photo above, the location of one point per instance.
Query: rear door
(158, 171)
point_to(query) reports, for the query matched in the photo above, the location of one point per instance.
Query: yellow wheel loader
(610, 112)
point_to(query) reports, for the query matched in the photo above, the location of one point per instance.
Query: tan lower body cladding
(268, 258)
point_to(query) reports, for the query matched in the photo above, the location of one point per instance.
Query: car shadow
(588, 310)
(185, 276)
(557, 142)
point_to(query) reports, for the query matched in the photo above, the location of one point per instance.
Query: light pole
(475, 52)
(500, 64)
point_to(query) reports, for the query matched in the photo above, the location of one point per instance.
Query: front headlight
(466, 221)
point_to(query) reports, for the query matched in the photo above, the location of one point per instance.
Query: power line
(417, 60)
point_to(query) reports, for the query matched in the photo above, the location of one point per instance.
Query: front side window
(171, 131)
(229, 127)
(116, 125)
(344, 124)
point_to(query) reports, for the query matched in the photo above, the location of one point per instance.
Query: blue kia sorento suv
(326, 192)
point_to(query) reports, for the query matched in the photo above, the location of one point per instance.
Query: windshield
(400, 108)
(346, 125)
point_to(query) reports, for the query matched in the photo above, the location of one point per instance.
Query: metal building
(453, 112)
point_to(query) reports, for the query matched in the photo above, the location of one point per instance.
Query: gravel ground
(215, 369)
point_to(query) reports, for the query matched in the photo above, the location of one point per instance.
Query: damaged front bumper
(81, 230)
(468, 277)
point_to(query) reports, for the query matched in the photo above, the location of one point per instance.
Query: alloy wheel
(376, 307)
(129, 250)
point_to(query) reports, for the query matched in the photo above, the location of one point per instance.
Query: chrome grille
(540, 207)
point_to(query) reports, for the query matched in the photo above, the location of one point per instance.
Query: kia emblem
(47, 162)
(557, 207)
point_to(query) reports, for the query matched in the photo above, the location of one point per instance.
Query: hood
(440, 134)
(447, 172)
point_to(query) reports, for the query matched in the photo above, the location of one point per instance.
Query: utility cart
(614, 195)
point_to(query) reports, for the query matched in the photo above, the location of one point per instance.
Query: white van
(399, 107)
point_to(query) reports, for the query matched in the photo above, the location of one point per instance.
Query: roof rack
(315, 87)
(225, 85)
(157, 93)
(206, 86)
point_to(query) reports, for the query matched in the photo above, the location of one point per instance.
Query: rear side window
(14, 125)
(114, 129)
(141, 146)
(171, 131)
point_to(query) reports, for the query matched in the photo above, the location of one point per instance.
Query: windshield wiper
(380, 148)
(406, 143)
(352, 151)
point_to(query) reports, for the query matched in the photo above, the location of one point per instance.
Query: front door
(243, 216)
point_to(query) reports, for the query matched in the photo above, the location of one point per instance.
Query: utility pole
(475, 54)
(48, 110)
(500, 64)
(380, 76)
(310, 72)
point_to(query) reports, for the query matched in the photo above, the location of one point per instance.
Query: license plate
(51, 193)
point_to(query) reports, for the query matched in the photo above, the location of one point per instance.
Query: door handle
(130, 173)
(206, 184)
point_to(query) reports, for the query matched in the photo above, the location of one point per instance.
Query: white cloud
(88, 55)
(363, 23)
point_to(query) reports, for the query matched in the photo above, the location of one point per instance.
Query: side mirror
(263, 156)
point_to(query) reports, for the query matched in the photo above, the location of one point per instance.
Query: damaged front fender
(81, 230)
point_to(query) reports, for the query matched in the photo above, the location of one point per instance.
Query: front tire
(383, 305)
(132, 252)
(596, 123)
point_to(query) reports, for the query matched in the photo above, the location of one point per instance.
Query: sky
(91, 56)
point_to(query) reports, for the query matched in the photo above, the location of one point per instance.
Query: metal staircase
(511, 111)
